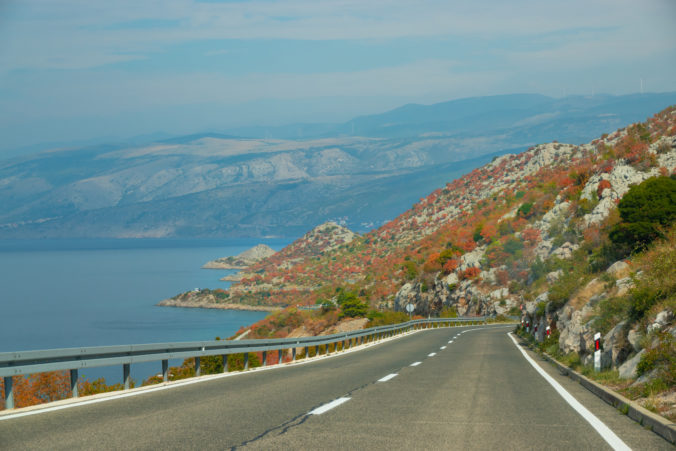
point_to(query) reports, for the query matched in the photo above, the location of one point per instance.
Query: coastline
(220, 306)
(217, 265)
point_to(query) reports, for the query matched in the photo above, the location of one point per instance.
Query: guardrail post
(293, 354)
(126, 371)
(307, 352)
(73, 383)
(9, 392)
(281, 355)
(246, 361)
(265, 358)
(225, 362)
(198, 367)
(165, 370)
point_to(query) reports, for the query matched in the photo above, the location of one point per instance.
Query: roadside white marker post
(597, 351)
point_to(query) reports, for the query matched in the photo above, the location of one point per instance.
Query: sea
(96, 292)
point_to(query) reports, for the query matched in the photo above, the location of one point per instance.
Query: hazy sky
(81, 69)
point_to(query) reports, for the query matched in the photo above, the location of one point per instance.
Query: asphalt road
(479, 392)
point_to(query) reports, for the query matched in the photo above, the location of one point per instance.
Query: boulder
(616, 344)
(565, 251)
(554, 276)
(601, 210)
(451, 279)
(634, 337)
(544, 248)
(628, 369)
(472, 259)
(661, 320)
(623, 176)
(500, 293)
(624, 285)
(619, 269)
(646, 377)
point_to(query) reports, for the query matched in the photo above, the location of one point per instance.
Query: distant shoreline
(219, 306)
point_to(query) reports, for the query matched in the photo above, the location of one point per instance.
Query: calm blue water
(71, 293)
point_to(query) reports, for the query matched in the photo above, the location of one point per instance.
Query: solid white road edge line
(388, 377)
(604, 431)
(415, 363)
(326, 407)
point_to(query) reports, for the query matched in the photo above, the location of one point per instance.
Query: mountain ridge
(214, 185)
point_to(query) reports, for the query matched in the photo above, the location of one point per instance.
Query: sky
(76, 71)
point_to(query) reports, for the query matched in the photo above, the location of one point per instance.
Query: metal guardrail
(72, 359)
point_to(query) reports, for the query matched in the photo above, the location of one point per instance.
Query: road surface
(451, 388)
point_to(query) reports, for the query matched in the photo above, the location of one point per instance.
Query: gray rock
(606, 359)
(596, 298)
(588, 360)
(634, 337)
(565, 251)
(544, 248)
(661, 320)
(664, 317)
(531, 307)
(472, 259)
(628, 369)
(618, 269)
(554, 276)
(624, 285)
(451, 279)
(500, 293)
(646, 378)
(616, 344)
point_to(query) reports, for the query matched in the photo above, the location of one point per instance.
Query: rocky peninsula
(243, 260)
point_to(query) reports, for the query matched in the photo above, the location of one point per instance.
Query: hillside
(360, 174)
(545, 234)
(495, 219)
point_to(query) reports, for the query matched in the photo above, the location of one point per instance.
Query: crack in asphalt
(294, 422)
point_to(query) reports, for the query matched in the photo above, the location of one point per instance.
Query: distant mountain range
(255, 182)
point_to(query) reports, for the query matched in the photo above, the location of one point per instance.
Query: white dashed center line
(415, 363)
(326, 407)
(443, 347)
(431, 354)
(451, 341)
(388, 377)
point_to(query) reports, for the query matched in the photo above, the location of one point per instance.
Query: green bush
(385, 318)
(411, 270)
(645, 210)
(541, 308)
(525, 210)
(351, 305)
(448, 312)
(662, 357)
(236, 361)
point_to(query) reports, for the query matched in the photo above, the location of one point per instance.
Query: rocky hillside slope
(464, 244)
